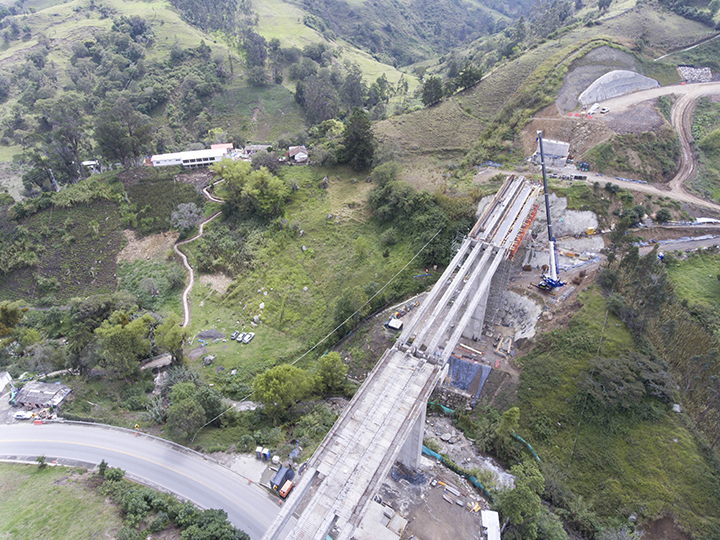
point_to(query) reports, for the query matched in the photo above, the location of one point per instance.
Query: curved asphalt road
(150, 461)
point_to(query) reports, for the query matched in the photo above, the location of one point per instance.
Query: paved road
(160, 464)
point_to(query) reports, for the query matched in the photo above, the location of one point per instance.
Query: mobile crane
(550, 280)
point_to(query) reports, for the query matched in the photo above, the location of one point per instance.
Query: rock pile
(692, 74)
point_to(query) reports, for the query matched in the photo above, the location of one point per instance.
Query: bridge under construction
(385, 420)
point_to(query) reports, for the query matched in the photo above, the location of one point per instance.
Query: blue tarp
(462, 373)
(484, 374)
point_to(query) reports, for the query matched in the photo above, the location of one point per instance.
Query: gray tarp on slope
(614, 84)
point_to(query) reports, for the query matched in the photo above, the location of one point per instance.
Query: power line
(335, 329)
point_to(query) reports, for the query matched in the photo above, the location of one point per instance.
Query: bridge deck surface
(367, 440)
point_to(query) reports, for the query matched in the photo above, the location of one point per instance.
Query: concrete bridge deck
(385, 420)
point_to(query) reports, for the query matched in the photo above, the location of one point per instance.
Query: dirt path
(186, 264)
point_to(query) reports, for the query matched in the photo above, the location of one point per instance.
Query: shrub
(114, 474)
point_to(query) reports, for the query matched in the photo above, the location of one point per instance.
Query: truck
(278, 481)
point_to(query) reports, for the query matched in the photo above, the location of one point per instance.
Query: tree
(122, 133)
(279, 388)
(255, 48)
(354, 89)
(171, 337)
(603, 5)
(10, 315)
(185, 417)
(469, 76)
(122, 343)
(67, 138)
(211, 402)
(663, 215)
(432, 91)
(329, 373)
(266, 194)
(319, 98)
(508, 422)
(522, 505)
(186, 216)
(265, 159)
(358, 145)
(257, 76)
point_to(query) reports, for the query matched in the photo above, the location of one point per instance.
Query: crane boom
(551, 281)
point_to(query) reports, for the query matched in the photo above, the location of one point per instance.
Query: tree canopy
(358, 145)
(432, 91)
(279, 388)
(253, 192)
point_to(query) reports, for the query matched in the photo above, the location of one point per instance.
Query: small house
(37, 395)
(297, 155)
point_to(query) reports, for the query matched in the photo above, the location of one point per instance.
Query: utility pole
(54, 183)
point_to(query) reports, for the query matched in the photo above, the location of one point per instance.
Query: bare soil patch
(582, 133)
(640, 118)
(155, 246)
(199, 178)
(217, 282)
(663, 529)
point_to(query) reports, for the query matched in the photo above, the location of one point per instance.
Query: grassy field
(620, 463)
(294, 318)
(651, 156)
(696, 279)
(53, 504)
(262, 114)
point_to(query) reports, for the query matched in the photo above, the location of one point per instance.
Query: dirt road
(681, 116)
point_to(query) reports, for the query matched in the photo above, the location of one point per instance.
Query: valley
(127, 282)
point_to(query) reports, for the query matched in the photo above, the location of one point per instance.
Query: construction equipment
(550, 281)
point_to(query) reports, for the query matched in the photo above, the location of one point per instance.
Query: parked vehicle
(281, 477)
(286, 489)
(248, 337)
(604, 110)
(234, 335)
(241, 337)
(23, 415)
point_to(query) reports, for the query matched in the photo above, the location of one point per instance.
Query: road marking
(127, 454)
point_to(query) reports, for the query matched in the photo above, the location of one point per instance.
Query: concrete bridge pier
(474, 328)
(412, 449)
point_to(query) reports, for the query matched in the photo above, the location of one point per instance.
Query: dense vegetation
(651, 156)
(706, 134)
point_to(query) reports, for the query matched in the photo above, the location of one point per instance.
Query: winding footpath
(186, 263)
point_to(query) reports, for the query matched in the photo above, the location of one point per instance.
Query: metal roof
(42, 394)
(191, 154)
